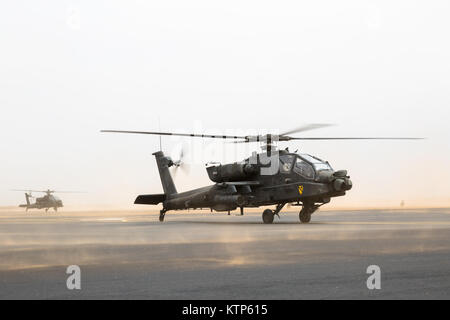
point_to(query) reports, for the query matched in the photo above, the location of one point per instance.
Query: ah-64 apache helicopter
(272, 177)
(45, 202)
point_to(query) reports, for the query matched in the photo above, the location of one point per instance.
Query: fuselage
(45, 202)
(294, 178)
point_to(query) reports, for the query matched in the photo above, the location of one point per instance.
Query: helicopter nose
(342, 181)
(342, 184)
(348, 183)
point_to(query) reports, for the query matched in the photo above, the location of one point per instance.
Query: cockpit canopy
(316, 162)
(303, 164)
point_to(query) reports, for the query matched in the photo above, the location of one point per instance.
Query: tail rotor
(180, 163)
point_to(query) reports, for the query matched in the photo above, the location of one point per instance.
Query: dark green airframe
(45, 202)
(48, 201)
(272, 177)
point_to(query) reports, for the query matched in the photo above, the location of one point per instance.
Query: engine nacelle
(231, 172)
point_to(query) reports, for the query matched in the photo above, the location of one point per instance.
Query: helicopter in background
(49, 200)
(272, 177)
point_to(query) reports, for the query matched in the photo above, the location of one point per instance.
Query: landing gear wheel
(267, 216)
(162, 214)
(304, 215)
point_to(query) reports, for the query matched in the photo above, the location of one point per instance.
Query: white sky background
(71, 68)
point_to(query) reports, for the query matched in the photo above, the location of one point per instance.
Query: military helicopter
(271, 177)
(46, 202)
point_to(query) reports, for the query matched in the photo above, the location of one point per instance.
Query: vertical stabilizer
(27, 197)
(166, 179)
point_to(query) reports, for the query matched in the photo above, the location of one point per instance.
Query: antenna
(160, 137)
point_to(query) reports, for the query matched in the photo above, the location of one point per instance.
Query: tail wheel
(267, 216)
(162, 214)
(305, 215)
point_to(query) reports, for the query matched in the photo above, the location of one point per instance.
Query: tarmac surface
(131, 255)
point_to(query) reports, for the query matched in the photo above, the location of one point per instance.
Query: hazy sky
(71, 68)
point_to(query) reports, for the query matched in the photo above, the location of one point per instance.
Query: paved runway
(131, 255)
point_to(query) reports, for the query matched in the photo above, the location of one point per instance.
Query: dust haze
(73, 68)
(191, 240)
(373, 68)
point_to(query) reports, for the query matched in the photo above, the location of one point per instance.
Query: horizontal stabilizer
(150, 199)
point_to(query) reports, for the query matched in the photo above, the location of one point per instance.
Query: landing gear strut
(305, 215)
(306, 212)
(268, 214)
(162, 214)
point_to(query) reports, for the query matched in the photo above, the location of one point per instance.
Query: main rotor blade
(56, 191)
(307, 127)
(28, 190)
(354, 138)
(45, 191)
(177, 134)
(262, 138)
(287, 138)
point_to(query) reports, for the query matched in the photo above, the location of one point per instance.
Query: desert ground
(131, 255)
